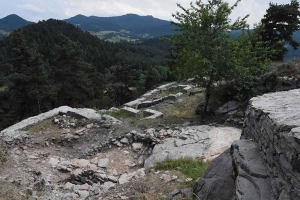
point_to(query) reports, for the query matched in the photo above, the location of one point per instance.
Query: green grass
(120, 114)
(3, 88)
(193, 168)
(40, 126)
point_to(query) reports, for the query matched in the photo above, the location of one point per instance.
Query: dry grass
(152, 187)
(178, 112)
(10, 192)
(40, 126)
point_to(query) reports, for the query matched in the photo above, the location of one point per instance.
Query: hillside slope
(53, 63)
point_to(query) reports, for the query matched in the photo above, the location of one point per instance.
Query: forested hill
(53, 63)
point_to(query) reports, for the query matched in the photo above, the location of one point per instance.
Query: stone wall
(273, 122)
(266, 160)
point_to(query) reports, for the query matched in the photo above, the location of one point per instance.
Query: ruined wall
(273, 123)
(265, 162)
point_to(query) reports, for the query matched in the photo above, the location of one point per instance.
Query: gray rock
(107, 185)
(217, 182)
(187, 192)
(272, 122)
(152, 114)
(227, 107)
(69, 186)
(83, 193)
(200, 141)
(124, 141)
(252, 181)
(53, 162)
(137, 146)
(103, 162)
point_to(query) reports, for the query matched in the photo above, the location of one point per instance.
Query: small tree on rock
(204, 47)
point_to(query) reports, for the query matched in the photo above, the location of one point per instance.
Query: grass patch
(40, 126)
(119, 114)
(3, 88)
(193, 168)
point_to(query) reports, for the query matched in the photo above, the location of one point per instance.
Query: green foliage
(193, 168)
(52, 63)
(205, 48)
(280, 22)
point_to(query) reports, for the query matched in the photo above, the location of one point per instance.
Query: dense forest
(53, 63)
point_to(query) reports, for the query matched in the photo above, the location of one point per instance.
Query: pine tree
(280, 22)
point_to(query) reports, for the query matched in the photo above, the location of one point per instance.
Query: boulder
(227, 107)
(252, 181)
(217, 182)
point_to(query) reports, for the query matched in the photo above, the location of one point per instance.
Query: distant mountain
(10, 23)
(131, 24)
(292, 54)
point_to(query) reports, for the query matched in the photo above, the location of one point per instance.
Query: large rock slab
(17, 131)
(273, 122)
(195, 142)
(217, 183)
(252, 181)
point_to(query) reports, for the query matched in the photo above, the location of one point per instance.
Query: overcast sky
(35, 10)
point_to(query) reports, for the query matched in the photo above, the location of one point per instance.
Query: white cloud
(31, 8)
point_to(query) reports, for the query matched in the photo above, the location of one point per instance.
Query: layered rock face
(273, 126)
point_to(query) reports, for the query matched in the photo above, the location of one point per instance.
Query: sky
(35, 10)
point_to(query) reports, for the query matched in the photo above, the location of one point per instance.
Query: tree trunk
(207, 95)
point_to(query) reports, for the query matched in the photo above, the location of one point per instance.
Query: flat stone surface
(103, 162)
(283, 107)
(199, 142)
(153, 114)
(135, 103)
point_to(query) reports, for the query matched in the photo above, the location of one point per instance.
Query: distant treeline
(53, 63)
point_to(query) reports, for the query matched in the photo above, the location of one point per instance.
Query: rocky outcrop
(204, 141)
(217, 182)
(284, 83)
(273, 123)
(266, 161)
(252, 181)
